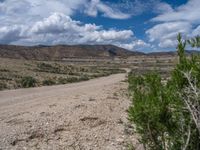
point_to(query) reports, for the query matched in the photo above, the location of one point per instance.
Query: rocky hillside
(60, 52)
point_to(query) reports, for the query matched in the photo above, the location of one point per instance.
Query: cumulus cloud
(61, 29)
(170, 22)
(136, 44)
(10, 34)
(28, 22)
(31, 22)
(165, 33)
(15, 12)
(75, 32)
(56, 23)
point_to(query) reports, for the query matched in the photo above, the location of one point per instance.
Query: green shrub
(152, 112)
(28, 81)
(68, 80)
(48, 82)
(82, 69)
(84, 78)
(4, 70)
(160, 111)
(62, 80)
(52, 68)
(72, 79)
(3, 86)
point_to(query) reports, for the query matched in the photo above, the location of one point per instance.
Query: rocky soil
(89, 115)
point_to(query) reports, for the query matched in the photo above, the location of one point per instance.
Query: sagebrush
(166, 114)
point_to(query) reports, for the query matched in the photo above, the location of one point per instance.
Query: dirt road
(86, 115)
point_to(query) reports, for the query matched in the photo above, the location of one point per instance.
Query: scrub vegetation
(16, 73)
(166, 115)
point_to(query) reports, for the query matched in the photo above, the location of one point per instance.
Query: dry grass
(13, 73)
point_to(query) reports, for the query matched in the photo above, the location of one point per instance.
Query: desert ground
(86, 115)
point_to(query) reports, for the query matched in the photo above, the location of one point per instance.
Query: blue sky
(142, 25)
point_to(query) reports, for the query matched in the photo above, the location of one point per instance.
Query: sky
(137, 25)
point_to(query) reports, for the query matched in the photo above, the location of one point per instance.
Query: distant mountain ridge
(59, 52)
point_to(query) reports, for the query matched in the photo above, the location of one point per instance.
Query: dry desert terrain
(78, 116)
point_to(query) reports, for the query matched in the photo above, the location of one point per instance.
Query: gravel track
(89, 115)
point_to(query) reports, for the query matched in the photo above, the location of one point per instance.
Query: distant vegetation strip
(19, 74)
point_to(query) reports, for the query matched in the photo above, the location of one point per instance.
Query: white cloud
(10, 33)
(56, 23)
(167, 43)
(123, 9)
(98, 6)
(106, 36)
(61, 29)
(75, 32)
(135, 45)
(43, 8)
(188, 12)
(170, 22)
(30, 11)
(196, 31)
(165, 34)
(163, 8)
(28, 22)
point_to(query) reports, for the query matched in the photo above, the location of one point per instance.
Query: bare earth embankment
(85, 115)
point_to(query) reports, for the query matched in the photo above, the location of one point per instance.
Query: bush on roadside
(62, 80)
(48, 82)
(84, 78)
(2, 86)
(167, 116)
(72, 79)
(151, 112)
(67, 80)
(51, 68)
(28, 81)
